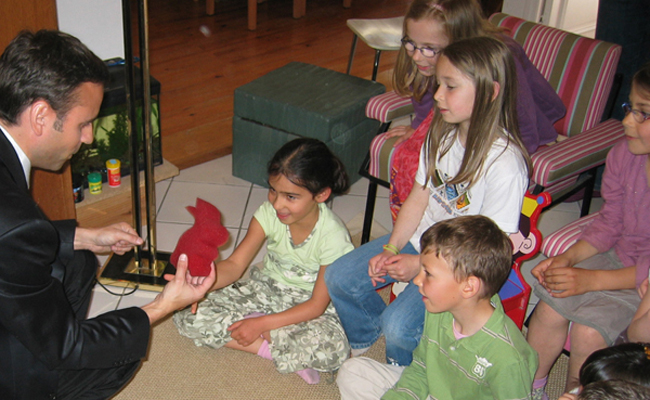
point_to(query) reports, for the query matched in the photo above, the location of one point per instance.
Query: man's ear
(40, 113)
(472, 287)
(323, 195)
(497, 89)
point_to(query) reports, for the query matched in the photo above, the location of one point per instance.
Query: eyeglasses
(639, 116)
(427, 52)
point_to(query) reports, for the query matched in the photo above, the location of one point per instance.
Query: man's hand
(181, 290)
(118, 238)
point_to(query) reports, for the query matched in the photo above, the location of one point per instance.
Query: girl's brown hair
(487, 62)
(462, 19)
(310, 164)
(641, 80)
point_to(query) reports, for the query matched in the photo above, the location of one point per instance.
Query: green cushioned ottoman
(301, 100)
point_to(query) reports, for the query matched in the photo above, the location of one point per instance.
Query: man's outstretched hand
(181, 290)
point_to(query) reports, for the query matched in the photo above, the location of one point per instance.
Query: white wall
(97, 23)
(577, 16)
(530, 10)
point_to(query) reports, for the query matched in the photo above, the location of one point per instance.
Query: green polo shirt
(494, 363)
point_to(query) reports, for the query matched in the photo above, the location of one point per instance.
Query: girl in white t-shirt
(472, 162)
(283, 311)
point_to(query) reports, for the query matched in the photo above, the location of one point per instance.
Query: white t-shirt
(497, 193)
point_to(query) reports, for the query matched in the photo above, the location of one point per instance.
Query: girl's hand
(376, 267)
(568, 396)
(643, 289)
(197, 281)
(403, 267)
(539, 271)
(248, 330)
(565, 282)
(404, 132)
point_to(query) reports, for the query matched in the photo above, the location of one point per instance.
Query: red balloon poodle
(201, 242)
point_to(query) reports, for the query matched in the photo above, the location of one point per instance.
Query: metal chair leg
(352, 50)
(372, 190)
(370, 211)
(589, 193)
(375, 67)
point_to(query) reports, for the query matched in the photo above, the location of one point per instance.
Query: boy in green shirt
(469, 348)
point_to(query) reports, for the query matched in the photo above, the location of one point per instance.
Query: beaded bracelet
(392, 248)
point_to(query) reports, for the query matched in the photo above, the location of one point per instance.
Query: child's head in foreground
(462, 257)
(309, 164)
(614, 390)
(628, 361)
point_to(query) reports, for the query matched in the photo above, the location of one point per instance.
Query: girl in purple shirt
(592, 284)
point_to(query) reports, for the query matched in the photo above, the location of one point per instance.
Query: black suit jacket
(38, 330)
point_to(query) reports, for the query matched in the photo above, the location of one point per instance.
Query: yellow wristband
(392, 248)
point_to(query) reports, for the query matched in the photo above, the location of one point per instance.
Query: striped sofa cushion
(381, 156)
(581, 70)
(552, 164)
(388, 106)
(385, 108)
(558, 242)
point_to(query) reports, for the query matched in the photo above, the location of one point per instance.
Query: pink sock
(538, 389)
(540, 383)
(264, 351)
(309, 375)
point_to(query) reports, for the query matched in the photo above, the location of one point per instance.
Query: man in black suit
(51, 89)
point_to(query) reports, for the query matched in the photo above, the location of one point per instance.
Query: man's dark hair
(48, 65)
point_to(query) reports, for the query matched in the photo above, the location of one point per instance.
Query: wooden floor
(199, 72)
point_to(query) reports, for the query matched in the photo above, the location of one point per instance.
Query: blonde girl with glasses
(430, 26)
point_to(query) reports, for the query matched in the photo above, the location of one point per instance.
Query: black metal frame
(372, 190)
(375, 67)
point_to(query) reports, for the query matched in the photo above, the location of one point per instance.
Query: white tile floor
(238, 199)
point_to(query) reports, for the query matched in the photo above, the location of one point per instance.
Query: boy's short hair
(614, 389)
(472, 245)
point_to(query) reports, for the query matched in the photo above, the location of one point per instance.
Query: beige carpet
(557, 378)
(175, 369)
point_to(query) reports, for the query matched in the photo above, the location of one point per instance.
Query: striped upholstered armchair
(582, 72)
